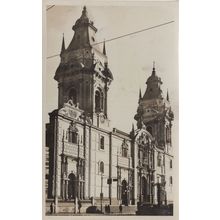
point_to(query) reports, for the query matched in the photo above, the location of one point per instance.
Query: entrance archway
(124, 192)
(72, 186)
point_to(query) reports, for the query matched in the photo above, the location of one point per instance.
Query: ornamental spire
(104, 50)
(168, 99)
(63, 45)
(140, 96)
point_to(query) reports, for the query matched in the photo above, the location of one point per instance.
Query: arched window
(102, 142)
(171, 180)
(171, 163)
(73, 95)
(72, 133)
(99, 101)
(167, 134)
(101, 167)
(149, 129)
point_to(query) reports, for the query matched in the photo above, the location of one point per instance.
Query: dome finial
(153, 72)
(84, 12)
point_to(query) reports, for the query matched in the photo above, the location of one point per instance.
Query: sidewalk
(89, 214)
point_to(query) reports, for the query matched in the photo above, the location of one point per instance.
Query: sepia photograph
(110, 109)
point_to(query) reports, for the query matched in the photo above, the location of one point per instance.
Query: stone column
(76, 205)
(155, 194)
(56, 164)
(140, 185)
(63, 188)
(110, 167)
(66, 191)
(135, 183)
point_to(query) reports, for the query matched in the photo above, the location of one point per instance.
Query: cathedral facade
(88, 159)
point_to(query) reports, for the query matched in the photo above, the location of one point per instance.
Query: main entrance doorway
(124, 193)
(144, 189)
(72, 186)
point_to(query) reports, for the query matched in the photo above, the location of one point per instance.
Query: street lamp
(101, 194)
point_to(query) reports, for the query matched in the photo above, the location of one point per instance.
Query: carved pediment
(71, 110)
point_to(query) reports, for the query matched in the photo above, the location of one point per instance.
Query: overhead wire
(50, 7)
(125, 35)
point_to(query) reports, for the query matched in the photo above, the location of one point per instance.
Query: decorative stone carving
(71, 110)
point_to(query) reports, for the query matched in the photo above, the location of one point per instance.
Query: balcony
(123, 161)
(72, 150)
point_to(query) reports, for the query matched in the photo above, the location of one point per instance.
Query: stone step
(131, 209)
(69, 207)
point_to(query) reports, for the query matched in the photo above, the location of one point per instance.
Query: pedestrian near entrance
(52, 207)
(120, 208)
(79, 205)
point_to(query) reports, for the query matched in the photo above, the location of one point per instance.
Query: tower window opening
(72, 133)
(124, 151)
(73, 95)
(149, 129)
(98, 101)
(102, 142)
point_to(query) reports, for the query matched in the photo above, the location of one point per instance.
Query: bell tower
(154, 111)
(83, 74)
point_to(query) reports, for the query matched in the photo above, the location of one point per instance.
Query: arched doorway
(144, 189)
(159, 194)
(72, 186)
(124, 192)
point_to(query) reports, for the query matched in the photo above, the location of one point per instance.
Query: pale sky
(130, 59)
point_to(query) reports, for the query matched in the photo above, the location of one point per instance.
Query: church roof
(83, 20)
(153, 90)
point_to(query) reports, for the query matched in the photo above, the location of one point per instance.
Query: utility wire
(125, 35)
(50, 7)
(136, 32)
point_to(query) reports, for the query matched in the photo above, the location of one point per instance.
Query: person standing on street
(120, 208)
(79, 205)
(51, 208)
